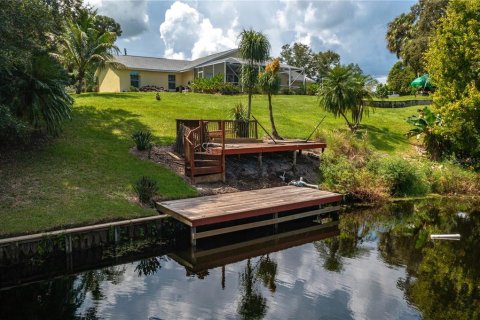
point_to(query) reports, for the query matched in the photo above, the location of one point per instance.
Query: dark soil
(244, 172)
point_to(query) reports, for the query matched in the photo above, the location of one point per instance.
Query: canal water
(375, 263)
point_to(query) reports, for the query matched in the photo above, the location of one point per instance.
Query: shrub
(405, 177)
(146, 188)
(142, 139)
(229, 88)
(239, 113)
(133, 89)
(312, 89)
(338, 173)
(150, 88)
(12, 129)
(353, 146)
(447, 178)
(208, 85)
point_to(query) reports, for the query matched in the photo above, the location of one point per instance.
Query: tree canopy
(453, 62)
(400, 77)
(408, 34)
(255, 48)
(346, 90)
(316, 65)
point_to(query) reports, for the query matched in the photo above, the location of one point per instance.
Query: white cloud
(130, 14)
(186, 33)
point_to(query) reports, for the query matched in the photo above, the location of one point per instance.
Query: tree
(400, 77)
(255, 48)
(83, 48)
(299, 55)
(454, 67)
(408, 34)
(345, 90)
(324, 61)
(315, 65)
(269, 82)
(32, 94)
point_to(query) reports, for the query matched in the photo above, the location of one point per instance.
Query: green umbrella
(422, 82)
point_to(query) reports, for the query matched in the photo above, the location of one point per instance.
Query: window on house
(171, 82)
(135, 79)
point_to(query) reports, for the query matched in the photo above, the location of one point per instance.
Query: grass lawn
(86, 175)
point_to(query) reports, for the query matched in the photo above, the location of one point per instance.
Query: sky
(192, 29)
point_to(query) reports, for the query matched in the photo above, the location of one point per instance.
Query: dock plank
(233, 206)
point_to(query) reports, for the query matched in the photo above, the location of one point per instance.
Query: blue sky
(191, 29)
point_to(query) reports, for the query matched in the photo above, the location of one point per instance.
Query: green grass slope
(86, 175)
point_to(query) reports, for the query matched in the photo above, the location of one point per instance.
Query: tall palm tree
(255, 48)
(345, 90)
(269, 82)
(83, 48)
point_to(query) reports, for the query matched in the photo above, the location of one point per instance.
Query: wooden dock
(274, 204)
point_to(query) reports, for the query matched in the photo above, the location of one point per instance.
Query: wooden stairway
(203, 164)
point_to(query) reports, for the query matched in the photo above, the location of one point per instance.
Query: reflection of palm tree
(148, 266)
(267, 272)
(328, 250)
(352, 233)
(252, 305)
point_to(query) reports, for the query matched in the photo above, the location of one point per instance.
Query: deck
(206, 143)
(265, 147)
(203, 211)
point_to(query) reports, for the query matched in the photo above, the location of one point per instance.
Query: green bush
(146, 188)
(208, 85)
(340, 174)
(229, 88)
(448, 178)
(143, 140)
(405, 178)
(312, 89)
(12, 129)
(133, 89)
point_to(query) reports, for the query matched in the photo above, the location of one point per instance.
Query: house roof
(174, 65)
(164, 64)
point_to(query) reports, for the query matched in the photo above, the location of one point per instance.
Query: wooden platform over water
(217, 209)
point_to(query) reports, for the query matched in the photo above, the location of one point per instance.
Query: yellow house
(173, 75)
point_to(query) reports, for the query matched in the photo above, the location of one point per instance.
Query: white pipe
(455, 236)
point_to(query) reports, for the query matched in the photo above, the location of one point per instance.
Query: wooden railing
(195, 144)
(234, 129)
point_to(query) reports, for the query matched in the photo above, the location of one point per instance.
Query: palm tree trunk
(80, 82)
(272, 121)
(352, 129)
(249, 107)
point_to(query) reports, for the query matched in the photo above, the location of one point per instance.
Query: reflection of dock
(232, 212)
(202, 260)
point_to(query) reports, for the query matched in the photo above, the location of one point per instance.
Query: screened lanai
(231, 69)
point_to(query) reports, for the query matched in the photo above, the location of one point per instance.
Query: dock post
(294, 158)
(260, 159)
(275, 217)
(193, 230)
(68, 244)
(116, 234)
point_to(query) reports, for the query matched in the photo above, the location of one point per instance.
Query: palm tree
(345, 90)
(255, 48)
(269, 82)
(83, 48)
(37, 96)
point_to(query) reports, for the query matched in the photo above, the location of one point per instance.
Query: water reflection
(376, 264)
